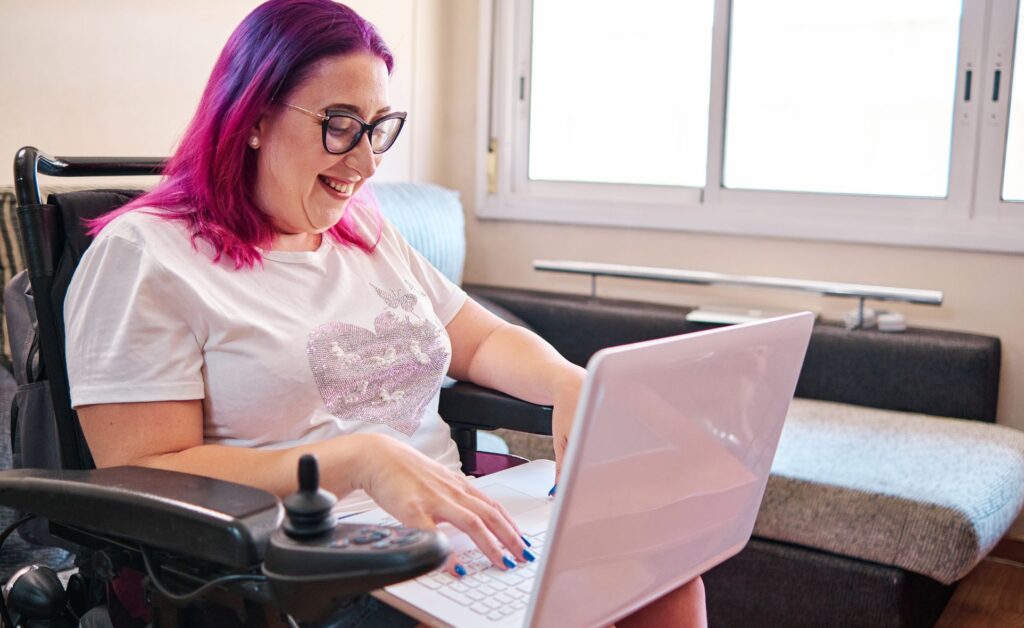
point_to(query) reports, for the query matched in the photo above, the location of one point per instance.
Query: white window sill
(931, 229)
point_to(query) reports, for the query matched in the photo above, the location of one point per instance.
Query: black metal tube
(30, 160)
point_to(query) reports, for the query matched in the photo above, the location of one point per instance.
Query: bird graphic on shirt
(397, 298)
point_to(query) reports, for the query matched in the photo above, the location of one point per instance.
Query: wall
(121, 77)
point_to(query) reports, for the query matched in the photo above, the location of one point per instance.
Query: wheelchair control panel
(304, 561)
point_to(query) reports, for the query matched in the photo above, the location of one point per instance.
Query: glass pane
(841, 97)
(619, 92)
(1013, 172)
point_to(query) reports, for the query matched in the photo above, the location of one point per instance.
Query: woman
(255, 307)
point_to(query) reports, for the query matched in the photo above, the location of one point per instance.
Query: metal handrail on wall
(861, 292)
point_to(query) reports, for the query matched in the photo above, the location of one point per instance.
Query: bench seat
(928, 494)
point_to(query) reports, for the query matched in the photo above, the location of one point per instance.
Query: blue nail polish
(551, 493)
(459, 569)
(528, 555)
(511, 564)
(526, 541)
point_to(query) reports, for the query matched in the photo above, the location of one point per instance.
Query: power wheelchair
(181, 539)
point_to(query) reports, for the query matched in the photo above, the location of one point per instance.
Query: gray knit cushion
(928, 494)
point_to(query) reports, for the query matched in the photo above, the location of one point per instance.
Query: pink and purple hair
(209, 180)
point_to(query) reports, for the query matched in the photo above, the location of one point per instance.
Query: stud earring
(254, 141)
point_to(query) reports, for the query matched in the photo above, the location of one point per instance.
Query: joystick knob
(308, 511)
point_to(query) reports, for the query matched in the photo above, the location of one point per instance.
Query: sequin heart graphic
(386, 376)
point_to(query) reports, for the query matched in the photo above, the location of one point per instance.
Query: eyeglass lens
(343, 133)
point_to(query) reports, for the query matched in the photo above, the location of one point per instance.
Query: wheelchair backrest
(53, 238)
(44, 428)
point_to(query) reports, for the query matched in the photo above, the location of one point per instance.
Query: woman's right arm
(169, 435)
(414, 489)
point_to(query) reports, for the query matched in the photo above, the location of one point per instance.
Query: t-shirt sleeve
(128, 336)
(445, 297)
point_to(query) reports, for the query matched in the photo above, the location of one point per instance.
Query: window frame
(967, 219)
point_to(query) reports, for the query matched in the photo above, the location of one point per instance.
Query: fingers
(560, 445)
(483, 525)
(486, 522)
(421, 493)
(500, 522)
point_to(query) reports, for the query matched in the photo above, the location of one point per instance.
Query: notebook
(667, 463)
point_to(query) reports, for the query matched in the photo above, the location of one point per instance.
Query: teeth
(343, 188)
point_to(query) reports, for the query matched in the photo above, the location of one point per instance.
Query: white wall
(122, 77)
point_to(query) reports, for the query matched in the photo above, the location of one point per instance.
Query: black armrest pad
(944, 373)
(468, 405)
(212, 520)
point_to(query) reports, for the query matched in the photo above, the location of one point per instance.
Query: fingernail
(511, 564)
(528, 555)
(551, 493)
(525, 541)
(459, 569)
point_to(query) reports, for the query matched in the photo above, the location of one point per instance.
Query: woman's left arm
(493, 353)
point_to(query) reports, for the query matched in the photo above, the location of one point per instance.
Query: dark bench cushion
(928, 371)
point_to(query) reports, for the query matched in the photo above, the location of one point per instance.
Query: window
(844, 98)
(882, 120)
(601, 115)
(1013, 170)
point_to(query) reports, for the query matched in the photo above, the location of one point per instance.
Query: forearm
(274, 471)
(520, 363)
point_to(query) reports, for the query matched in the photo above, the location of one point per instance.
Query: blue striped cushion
(430, 218)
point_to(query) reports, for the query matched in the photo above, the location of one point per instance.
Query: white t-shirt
(310, 346)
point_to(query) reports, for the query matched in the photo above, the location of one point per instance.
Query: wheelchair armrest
(471, 406)
(199, 517)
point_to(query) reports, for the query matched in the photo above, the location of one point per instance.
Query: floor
(991, 596)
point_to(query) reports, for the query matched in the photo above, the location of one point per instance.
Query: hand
(566, 397)
(421, 493)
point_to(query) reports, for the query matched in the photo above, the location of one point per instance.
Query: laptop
(667, 463)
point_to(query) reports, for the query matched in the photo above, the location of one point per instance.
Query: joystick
(308, 512)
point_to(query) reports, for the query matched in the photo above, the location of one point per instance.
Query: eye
(341, 126)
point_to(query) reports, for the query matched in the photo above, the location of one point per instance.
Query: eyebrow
(354, 109)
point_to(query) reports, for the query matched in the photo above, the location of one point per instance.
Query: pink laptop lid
(667, 464)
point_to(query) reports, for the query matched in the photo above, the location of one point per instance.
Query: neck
(296, 242)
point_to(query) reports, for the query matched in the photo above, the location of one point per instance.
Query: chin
(326, 220)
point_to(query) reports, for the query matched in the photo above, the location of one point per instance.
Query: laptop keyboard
(486, 590)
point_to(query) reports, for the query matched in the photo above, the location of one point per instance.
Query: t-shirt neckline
(299, 257)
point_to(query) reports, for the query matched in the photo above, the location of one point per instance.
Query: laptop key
(492, 603)
(495, 615)
(456, 597)
(513, 579)
(459, 587)
(504, 599)
(480, 609)
(430, 583)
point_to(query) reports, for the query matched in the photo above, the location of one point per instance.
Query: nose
(361, 158)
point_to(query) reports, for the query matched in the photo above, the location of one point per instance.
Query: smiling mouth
(340, 187)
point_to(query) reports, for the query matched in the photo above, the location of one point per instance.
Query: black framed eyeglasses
(343, 130)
